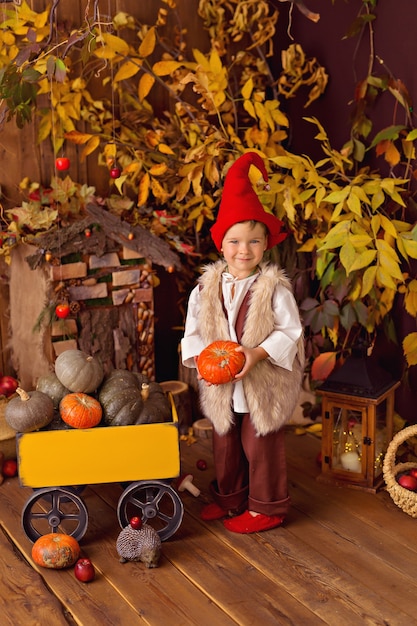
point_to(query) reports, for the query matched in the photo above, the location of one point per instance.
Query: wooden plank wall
(19, 148)
(26, 158)
(5, 367)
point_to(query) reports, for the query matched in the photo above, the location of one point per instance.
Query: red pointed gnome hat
(240, 203)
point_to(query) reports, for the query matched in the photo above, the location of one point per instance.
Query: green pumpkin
(156, 407)
(121, 397)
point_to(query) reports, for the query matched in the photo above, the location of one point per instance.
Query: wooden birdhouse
(98, 279)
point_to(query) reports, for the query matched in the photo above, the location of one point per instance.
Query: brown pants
(251, 471)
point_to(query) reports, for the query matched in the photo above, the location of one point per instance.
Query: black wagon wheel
(155, 502)
(54, 510)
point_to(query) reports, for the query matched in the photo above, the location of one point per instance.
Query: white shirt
(281, 345)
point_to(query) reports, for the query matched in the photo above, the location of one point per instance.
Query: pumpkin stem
(24, 396)
(144, 391)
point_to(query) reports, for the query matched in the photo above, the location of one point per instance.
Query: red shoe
(248, 523)
(211, 512)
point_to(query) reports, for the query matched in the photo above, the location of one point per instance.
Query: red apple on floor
(9, 468)
(84, 570)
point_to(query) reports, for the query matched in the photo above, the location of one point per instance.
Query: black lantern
(357, 418)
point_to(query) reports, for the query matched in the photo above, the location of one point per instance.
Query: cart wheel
(54, 510)
(155, 502)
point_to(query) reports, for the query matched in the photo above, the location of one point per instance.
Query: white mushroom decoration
(185, 483)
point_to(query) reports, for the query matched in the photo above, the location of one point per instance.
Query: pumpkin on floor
(80, 410)
(55, 551)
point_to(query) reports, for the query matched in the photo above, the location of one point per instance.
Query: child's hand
(252, 357)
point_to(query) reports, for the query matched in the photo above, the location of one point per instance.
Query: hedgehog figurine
(139, 542)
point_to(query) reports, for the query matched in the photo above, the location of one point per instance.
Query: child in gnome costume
(244, 299)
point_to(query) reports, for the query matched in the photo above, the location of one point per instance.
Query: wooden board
(342, 558)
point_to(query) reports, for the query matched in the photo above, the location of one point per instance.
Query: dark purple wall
(346, 62)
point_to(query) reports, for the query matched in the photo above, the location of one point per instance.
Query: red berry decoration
(136, 523)
(62, 164)
(87, 232)
(201, 465)
(115, 172)
(62, 310)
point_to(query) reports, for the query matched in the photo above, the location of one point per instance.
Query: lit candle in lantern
(350, 461)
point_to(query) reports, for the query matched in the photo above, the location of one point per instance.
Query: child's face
(243, 247)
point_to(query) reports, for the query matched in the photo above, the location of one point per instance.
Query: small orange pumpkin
(55, 551)
(219, 362)
(80, 410)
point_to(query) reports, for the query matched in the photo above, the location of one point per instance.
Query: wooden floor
(343, 557)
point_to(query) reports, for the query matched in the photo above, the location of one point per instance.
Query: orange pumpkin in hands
(219, 362)
(80, 410)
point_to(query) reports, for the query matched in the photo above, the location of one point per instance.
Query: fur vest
(271, 392)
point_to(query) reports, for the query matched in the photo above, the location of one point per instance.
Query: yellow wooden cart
(57, 464)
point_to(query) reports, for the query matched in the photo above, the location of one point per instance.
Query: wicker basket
(404, 498)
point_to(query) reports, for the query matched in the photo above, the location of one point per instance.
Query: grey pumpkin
(29, 411)
(52, 386)
(78, 371)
